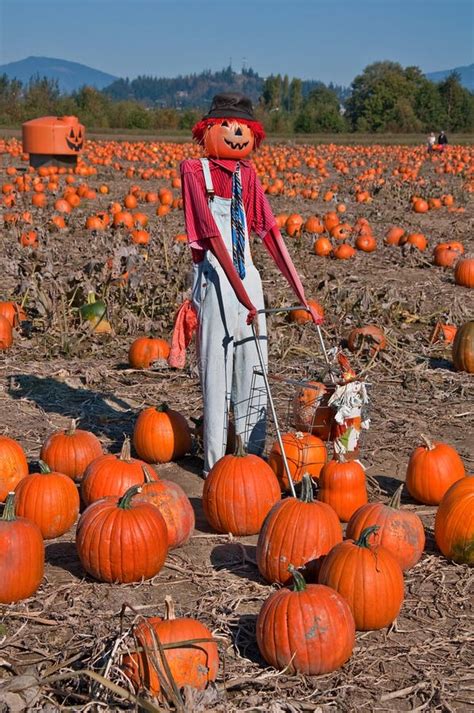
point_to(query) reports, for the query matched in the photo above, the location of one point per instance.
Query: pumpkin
(463, 348)
(22, 555)
(48, 499)
(394, 235)
(366, 243)
(322, 247)
(309, 629)
(70, 451)
(146, 350)
(13, 465)
(454, 522)
(239, 492)
(229, 139)
(173, 504)
(6, 333)
(93, 310)
(342, 486)
(313, 225)
(118, 540)
(368, 577)
(417, 240)
(443, 333)
(188, 647)
(420, 206)
(161, 435)
(297, 530)
(400, 531)
(13, 312)
(311, 412)
(432, 469)
(304, 452)
(464, 272)
(111, 475)
(300, 316)
(444, 255)
(370, 335)
(344, 252)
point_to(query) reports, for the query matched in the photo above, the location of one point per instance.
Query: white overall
(226, 347)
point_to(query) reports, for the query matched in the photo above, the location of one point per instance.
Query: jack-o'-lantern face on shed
(228, 139)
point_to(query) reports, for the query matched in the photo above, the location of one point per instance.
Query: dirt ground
(57, 370)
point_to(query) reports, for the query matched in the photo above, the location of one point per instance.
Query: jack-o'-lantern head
(229, 130)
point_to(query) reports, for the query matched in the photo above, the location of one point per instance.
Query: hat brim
(229, 114)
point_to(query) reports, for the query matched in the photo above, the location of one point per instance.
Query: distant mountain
(466, 74)
(69, 75)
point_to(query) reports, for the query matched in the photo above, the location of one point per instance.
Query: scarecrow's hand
(251, 316)
(317, 318)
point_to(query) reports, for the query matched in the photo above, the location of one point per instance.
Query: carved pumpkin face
(75, 139)
(229, 139)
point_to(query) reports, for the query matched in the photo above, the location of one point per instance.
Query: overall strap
(207, 178)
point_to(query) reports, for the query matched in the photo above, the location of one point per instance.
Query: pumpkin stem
(396, 498)
(364, 536)
(170, 611)
(90, 298)
(239, 447)
(163, 408)
(299, 580)
(44, 467)
(9, 509)
(306, 494)
(125, 452)
(146, 475)
(299, 435)
(126, 500)
(428, 443)
(72, 427)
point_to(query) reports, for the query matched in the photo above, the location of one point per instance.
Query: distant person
(442, 140)
(431, 142)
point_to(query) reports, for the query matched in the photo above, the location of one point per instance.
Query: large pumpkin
(308, 630)
(112, 475)
(49, 499)
(342, 485)
(190, 652)
(304, 452)
(239, 492)
(368, 577)
(70, 451)
(464, 272)
(454, 523)
(173, 504)
(298, 531)
(146, 350)
(311, 412)
(161, 435)
(463, 348)
(400, 531)
(432, 469)
(122, 541)
(13, 465)
(21, 555)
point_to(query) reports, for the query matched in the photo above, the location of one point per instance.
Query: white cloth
(226, 347)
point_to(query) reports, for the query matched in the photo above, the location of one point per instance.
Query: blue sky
(330, 40)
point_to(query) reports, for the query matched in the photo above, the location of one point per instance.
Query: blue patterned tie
(238, 223)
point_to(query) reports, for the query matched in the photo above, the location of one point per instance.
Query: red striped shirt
(200, 224)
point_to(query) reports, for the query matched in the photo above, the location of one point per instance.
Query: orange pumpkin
(311, 412)
(13, 465)
(6, 333)
(229, 139)
(304, 452)
(454, 523)
(432, 469)
(161, 435)
(342, 485)
(464, 272)
(70, 451)
(146, 350)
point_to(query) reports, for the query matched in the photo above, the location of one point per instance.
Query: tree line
(385, 97)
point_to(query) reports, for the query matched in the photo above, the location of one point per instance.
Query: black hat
(231, 105)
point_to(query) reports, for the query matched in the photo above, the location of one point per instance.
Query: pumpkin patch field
(126, 583)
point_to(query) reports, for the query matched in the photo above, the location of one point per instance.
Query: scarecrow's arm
(217, 247)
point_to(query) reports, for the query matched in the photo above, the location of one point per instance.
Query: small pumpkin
(368, 577)
(161, 435)
(309, 629)
(13, 465)
(301, 316)
(13, 312)
(304, 452)
(344, 252)
(188, 647)
(311, 412)
(48, 499)
(70, 451)
(342, 485)
(239, 492)
(299, 530)
(400, 531)
(118, 540)
(369, 336)
(463, 348)
(146, 350)
(432, 469)
(22, 560)
(454, 522)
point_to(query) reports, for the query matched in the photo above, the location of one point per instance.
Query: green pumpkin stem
(163, 408)
(170, 610)
(306, 494)
(125, 454)
(72, 427)
(125, 501)
(9, 509)
(394, 501)
(298, 579)
(44, 467)
(427, 441)
(239, 447)
(363, 540)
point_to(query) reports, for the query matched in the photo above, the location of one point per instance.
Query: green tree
(429, 107)
(320, 113)
(40, 97)
(271, 93)
(457, 103)
(296, 96)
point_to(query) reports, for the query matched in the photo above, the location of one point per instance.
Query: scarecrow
(224, 203)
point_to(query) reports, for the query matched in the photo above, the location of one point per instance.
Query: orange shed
(51, 139)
